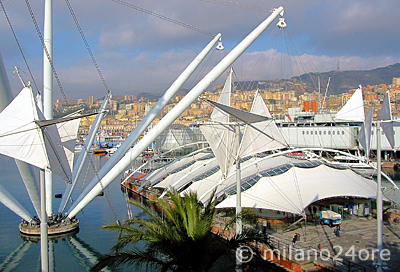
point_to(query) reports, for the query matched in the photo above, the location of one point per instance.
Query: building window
(307, 132)
(324, 132)
(329, 132)
(342, 132)
(311, 132)
(333, 132)
(303, 132)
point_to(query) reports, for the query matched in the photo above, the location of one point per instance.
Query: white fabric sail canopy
(364, 137)
(386, 115)
(353, 110)
(258, 134)
(297, 188)
(68, 133)
(253, 141)
(23, 139)
(225, 98)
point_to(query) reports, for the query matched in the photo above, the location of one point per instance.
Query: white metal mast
(175, 112)
(48, 89)
(379, 204)
(83, 154)
(239, 225)
(46, 176)
(152, 114)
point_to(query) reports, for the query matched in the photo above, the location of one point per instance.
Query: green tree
(179, 237)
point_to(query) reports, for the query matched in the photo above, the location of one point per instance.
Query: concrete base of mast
(56, 228)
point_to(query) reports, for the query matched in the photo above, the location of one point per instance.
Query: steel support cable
(233, 4)
(313, 67)
(282, 193)
(102, 187)
(45, 49)
(296, 182)
(191, 27)
(210, 59)
(289, 49)
(87, 45)
(9, 2)
(279, 191)
(272, 55)
(57, 156)
(19, 45)
(250, 84)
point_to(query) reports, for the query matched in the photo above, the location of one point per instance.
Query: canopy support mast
(175, 112)
(48, 89)
(135, 134)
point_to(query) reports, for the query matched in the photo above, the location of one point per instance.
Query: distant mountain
(343, 81)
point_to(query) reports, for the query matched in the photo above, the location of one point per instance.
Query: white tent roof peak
(23, 139)
(259, 133)
(353, 110)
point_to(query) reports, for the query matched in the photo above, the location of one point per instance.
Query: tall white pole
(10, 202)
(48, 89)
(174, 113)
(43, 224)
(84, 153)
(135, 134)
(379, 204)
(238, 186)
(238, 198)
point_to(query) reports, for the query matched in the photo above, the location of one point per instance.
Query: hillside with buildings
(126, 111)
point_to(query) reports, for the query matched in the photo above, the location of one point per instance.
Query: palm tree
(178, 237)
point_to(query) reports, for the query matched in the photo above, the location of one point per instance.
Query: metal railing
(285, 249)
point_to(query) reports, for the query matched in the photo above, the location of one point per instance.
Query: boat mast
(134, 152)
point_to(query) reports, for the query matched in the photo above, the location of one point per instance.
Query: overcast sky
(137, 52)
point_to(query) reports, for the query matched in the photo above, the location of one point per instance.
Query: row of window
(324, 132)
(210, 172)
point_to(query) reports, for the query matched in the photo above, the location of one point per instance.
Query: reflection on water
(73, 252)
(77, 251)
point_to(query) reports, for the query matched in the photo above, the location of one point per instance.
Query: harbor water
(76, 252)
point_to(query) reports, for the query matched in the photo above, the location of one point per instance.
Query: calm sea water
(74, 253)
(77, 252)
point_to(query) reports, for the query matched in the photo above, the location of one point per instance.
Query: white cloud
(137, 52)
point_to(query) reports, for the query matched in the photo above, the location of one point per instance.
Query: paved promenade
(356, 243)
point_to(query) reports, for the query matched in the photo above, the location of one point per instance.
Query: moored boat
(100, 152)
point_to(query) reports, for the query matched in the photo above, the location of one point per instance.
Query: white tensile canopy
(259, 134)
(353, 110)
(297, 188)
(23, 139)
